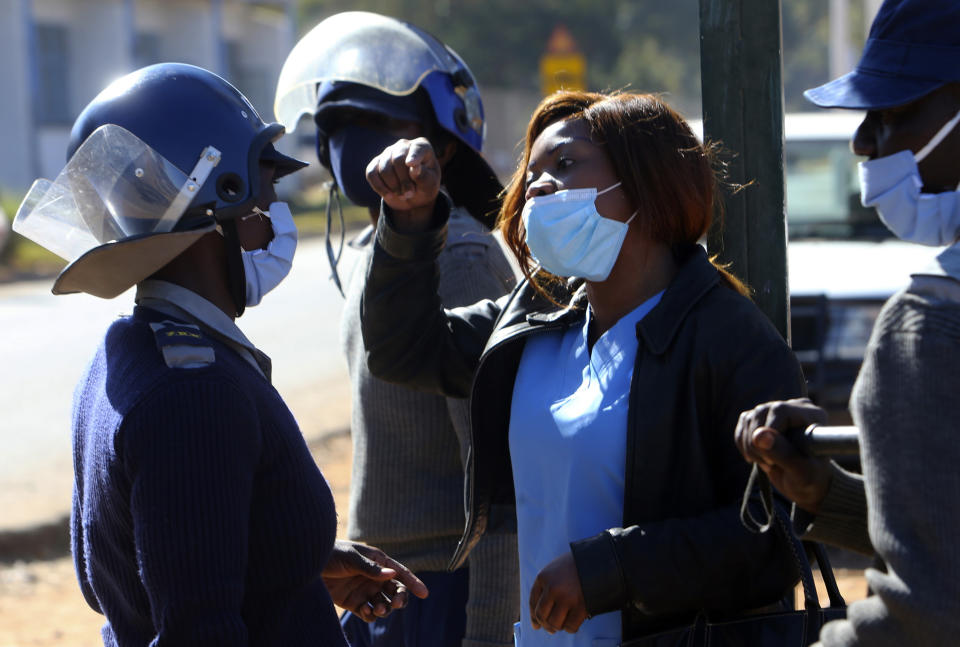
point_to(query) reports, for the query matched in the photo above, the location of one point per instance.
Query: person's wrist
(413, 220)
(818, 491)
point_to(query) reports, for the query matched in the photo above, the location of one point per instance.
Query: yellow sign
(562, 67)
(562, 73)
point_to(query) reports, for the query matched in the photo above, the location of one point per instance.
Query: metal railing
(818, 440)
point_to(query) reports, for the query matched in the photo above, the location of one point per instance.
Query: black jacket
(706, 353)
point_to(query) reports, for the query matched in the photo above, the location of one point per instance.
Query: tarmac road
(46, 342)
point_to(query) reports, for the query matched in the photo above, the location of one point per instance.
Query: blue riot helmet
(361, 61)
(171, 107)
(160, 157)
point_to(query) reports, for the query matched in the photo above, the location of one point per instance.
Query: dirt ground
(40, 601)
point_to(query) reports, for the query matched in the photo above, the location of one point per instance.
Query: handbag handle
(811, 601)
(826, 572)
(780, 521)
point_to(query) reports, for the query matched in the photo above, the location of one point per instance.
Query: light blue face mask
(892, 186)
(568, 237)
(265, 268)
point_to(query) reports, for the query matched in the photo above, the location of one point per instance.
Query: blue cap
(913, 49)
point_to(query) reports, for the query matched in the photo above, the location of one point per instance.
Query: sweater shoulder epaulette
(183, 345)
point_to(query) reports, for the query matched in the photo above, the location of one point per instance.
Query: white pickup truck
(843, 263)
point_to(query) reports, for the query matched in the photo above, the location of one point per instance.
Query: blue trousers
(438, 621)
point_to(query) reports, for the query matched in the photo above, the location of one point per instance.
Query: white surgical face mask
(892, 186)
(265, 268)
(568, 237)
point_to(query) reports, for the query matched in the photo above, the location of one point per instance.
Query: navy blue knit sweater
(199, 515)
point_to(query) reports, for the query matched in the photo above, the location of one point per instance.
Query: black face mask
(351, 148)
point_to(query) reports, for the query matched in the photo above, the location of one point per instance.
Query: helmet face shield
(113, 187)
(358, 47)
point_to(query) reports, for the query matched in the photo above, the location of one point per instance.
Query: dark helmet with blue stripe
(362, 61)
(180, 109)
(180, 150)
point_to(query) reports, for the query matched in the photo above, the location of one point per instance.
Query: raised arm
(409, 337)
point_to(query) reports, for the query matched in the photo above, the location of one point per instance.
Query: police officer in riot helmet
(199, 516)
(367, 81)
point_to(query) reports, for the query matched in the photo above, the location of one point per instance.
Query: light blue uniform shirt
(568, 440)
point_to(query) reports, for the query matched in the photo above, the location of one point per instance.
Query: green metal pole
(741, 70)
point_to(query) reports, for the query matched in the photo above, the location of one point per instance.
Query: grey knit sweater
(406, 490)
(906, 402)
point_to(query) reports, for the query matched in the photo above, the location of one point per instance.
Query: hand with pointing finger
(407, 176)
(366, 581)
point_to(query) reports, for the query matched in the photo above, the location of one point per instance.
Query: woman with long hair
(605, 388)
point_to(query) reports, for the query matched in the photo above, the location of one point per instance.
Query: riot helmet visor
(114, 187)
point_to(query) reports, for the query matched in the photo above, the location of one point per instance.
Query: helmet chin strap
(236, 276)
(333, 258)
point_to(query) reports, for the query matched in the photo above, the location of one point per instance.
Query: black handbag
(797, 628)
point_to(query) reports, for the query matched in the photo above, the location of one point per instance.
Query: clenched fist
(407, 177)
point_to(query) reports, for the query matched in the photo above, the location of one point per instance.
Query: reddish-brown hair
(668, 175)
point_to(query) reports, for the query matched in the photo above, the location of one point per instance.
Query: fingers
(778, 417)
(367, 605)
(358, 559)
(398, 571)
(575, 618)
(800, 412)
(743, 434)
(760, 437)
(541, 610)
(406, 577)
(556, 599)
(773, 448)
(397, 593)
(554, 613)
(400, 170)
(394, 172)
(780, 460)
(370, 600)
(420, 159)
(535, 592)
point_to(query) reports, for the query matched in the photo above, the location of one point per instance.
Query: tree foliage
(645, 45)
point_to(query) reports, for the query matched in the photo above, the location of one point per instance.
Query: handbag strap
(826, 572)
(777, 518)
(811, 601)
(759, 481)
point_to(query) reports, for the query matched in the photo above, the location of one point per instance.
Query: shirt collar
(626, 326)
(695, 277)
(947, 263)
(177, 301)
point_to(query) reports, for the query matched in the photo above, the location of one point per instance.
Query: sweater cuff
(601, 577)
(842, 519)
(482, 643)
(418, 245)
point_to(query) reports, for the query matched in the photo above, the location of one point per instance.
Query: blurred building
(58, 54)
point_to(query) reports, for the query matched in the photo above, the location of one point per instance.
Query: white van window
(823, 194)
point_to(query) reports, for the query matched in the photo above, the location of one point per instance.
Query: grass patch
(311, 219)
(21, 258)
(24, 259)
